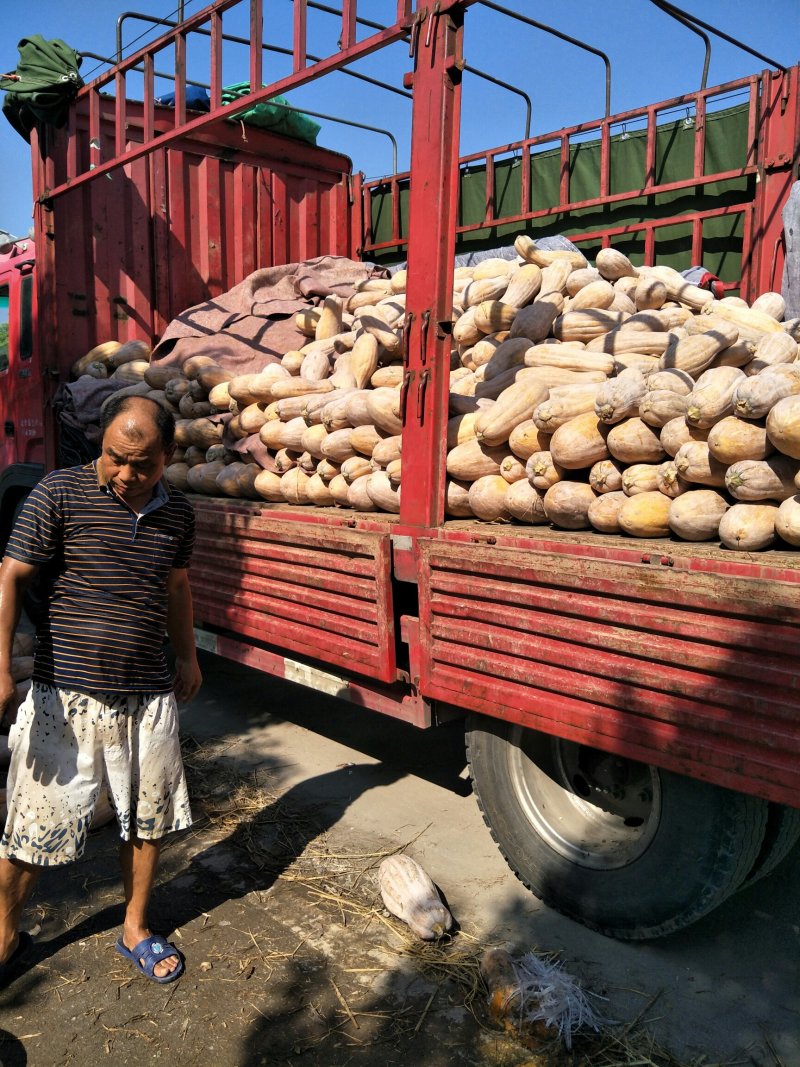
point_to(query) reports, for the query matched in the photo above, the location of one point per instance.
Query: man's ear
(169, 452)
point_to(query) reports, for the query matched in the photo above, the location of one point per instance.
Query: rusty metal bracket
(425, 322)
(408, 378)
(424, 378)
(431, 23)
(416, 26)
(407, 336)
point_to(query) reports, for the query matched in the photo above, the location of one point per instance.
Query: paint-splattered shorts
(64, 745)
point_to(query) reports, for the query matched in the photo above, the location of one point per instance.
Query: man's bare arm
(15, 577)
(180, 628)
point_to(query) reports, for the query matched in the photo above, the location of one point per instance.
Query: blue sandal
(148, 954)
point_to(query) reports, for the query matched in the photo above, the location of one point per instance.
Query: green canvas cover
(726, 150)
(44, 84)
(276, 114)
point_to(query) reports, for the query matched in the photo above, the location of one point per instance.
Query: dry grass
(277, 837)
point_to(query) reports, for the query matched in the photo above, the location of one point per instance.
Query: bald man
(111, 543)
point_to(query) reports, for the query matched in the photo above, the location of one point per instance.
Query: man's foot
(9, 967)
(154, 957)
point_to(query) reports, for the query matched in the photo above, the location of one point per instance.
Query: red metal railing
(771, 148)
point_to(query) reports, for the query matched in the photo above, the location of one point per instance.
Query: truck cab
(21, 417)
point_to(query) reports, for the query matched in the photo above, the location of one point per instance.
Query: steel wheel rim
(602, 820)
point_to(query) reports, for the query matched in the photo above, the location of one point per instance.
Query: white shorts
(64, 745)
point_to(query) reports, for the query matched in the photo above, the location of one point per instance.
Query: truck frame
(634, 732)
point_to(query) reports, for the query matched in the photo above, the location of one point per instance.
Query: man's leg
(139, 860)
(17, 882)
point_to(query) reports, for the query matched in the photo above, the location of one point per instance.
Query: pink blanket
(252, 325)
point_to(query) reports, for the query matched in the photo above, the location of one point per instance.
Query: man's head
(138, 441)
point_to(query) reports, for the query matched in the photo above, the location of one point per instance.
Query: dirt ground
(291, 958)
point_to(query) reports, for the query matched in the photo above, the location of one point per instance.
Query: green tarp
(44, 84)
(726, 149)
(276, 114)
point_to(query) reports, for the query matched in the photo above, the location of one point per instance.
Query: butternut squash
(771, 304)
(523, 286)
(382, 493)
(645, 515)
(695, 463)
(525, 503)
(563, 404)
(514, 405)
(512, 470)
(623, 340)
(771, 350)
(526, 248)
(605, 476)
(762, 479)
(363, 439)
(580, 442)
(566, 504)
(640, 478)
(748, 527)
(613, 264)
(783, 426)
(619, 397)
(696, 515)
(733, 439)
(668, 481)
(339, 489)
(712, 397)
(410, 894)
(787, 521)
(534, 321)
(526, 438)
(597, 294)
(456, 501)
(604, 511)
(473, 459)
(542, 472)
(677, 432)
(696, 354)
(754, 397)
(633, 441)
(358, 496)
(318, 492)
(487, 498)
(565, 357)
(585, 325)
(657, 407)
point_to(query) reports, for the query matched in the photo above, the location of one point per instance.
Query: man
(112, 543)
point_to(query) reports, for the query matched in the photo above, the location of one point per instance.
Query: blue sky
(652, 57)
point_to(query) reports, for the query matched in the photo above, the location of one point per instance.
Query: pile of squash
(609, 397)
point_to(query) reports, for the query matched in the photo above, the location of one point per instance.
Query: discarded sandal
(148, 954)
(10, 969)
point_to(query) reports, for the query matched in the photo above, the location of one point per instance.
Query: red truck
(634, 706)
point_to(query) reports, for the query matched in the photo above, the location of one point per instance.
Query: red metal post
(300, 28)
(256, 41)
(778, 168)
(215, 60)
(433, 207)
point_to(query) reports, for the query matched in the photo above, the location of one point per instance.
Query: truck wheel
(626, 848)
(780, 837)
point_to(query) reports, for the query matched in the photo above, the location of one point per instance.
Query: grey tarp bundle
(44, 84)
(790, 290)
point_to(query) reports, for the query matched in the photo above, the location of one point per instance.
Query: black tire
(780, 837)
(625, 848)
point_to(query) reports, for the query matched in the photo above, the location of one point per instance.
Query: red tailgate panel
(319, 590)
(692, 670)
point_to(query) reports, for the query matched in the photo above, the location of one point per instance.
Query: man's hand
(188, 679)
(8, 693)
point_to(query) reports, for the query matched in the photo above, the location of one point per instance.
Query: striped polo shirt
(105, 571)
